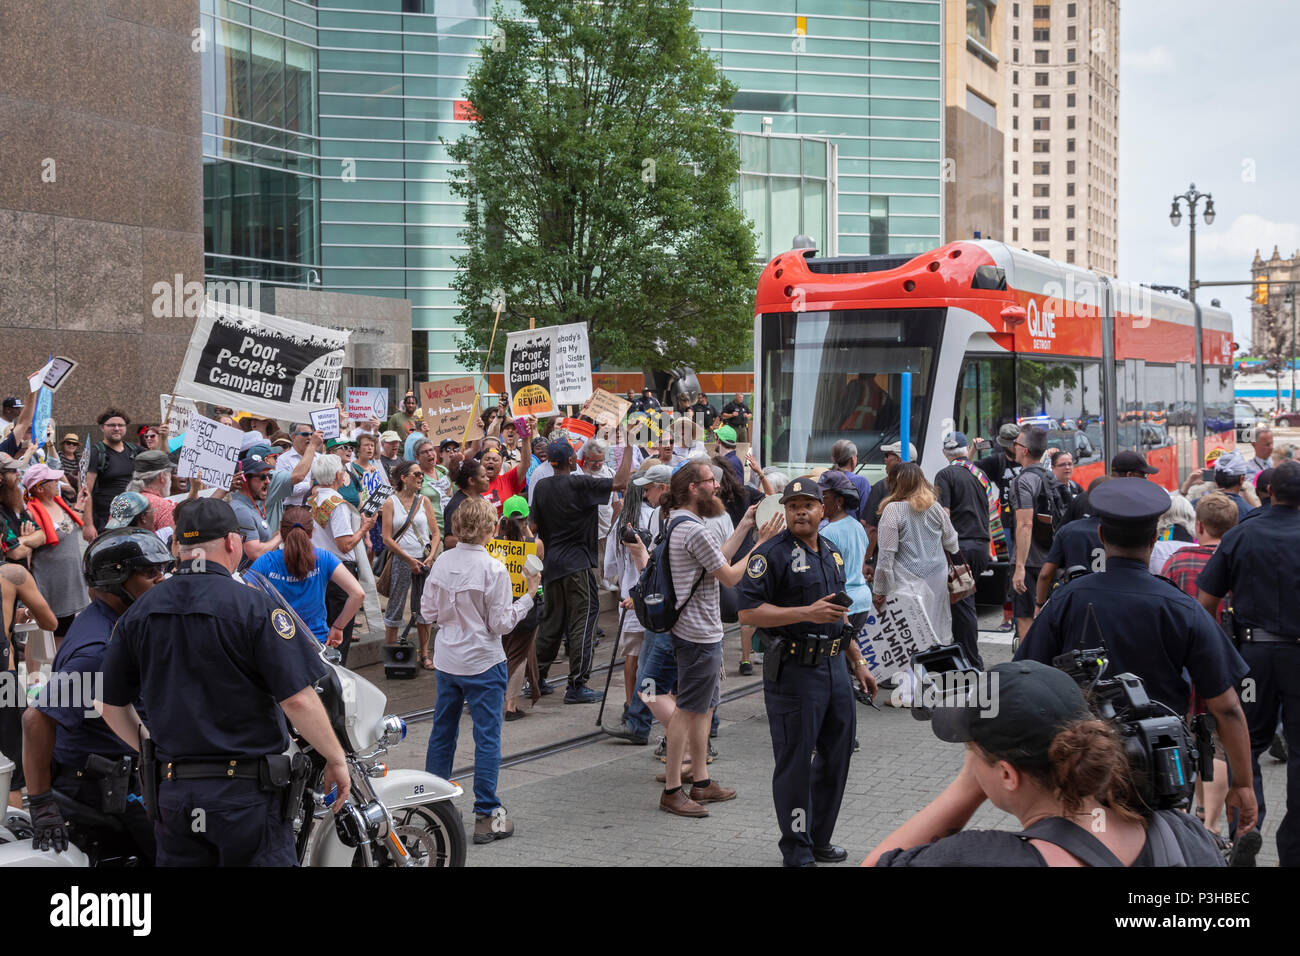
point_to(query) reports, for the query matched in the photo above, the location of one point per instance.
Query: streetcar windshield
(833, 375)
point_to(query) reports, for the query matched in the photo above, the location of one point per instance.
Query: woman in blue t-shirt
(300, 571)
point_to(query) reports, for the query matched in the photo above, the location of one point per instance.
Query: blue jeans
(656, 672)
(486, 694)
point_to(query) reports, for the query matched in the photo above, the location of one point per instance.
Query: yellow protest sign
(512, 554)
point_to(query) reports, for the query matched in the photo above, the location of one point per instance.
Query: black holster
(773, 655)
(149, 777)
(299, 774)
(114, 779)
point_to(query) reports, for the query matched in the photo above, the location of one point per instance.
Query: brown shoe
(687, 776)
(491, 827)
(680, 804)
(713, 793)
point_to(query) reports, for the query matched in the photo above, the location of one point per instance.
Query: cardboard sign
(890, 637)
(325, 421)
(448, 407)
(547, 368)
(366, 403)
(267, 365)
(178, 419)
(37, 378)
(210, 452)
(512, 554)
(605, 408)
(59, 368)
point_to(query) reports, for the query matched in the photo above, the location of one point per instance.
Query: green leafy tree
(598, 179)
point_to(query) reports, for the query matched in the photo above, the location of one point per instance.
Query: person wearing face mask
(65, 742)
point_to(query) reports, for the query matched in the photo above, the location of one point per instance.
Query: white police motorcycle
(391, 817)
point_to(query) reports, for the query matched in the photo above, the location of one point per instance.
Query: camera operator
(1040, 755)
(1149, 628)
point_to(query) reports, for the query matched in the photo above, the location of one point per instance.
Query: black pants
(335, 600)
(572, 605)
(1275, 668)
(810, 708)
(134, 819)
(222, 823)
(965, 622)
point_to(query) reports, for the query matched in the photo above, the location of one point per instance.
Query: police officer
(794, 590)
(1148, 626)
(1259, 563)
(214, 662)
(66, 746)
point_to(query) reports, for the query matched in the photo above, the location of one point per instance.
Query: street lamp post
(1192, 197)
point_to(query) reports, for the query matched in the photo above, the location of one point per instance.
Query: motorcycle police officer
(1258, 563)
(214, 662)
(1149, 627)
(794, 590)
(67, 747)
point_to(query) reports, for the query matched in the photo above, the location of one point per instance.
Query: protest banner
(448, 407)
(176, 413)
(366, 403)
(41, 416)
(209, 452)
(58, 370)
(547, 368)
(264, 364)
(512, 554)
(605, 408)
(325, 421)
(890, 637)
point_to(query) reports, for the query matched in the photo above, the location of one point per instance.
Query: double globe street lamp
(1192, 198)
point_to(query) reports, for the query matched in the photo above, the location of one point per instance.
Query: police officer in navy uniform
(794, 590)
(67, 747)
(1259, 563)
(1148, 627)
(218, 666)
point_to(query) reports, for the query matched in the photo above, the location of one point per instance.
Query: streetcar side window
(1065, 397)
(986, 396)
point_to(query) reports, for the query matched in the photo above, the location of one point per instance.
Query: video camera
(1164, 754)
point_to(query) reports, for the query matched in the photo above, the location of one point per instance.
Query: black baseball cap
(13, 402)
(1132, 463)
(1015, 714)
(204, 519)
(558, 452)
(805, 486)
(442, 445)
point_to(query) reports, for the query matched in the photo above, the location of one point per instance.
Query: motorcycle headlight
(392, 729)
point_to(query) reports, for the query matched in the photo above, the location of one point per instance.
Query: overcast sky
(1208, 94)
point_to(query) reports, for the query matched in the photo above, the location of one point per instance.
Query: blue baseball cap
(559, 452)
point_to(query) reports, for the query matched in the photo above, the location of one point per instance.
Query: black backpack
(1052, 501)
(654, 598)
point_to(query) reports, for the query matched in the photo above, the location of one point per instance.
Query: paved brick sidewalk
(598, 805)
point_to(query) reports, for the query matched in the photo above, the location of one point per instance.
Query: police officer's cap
(1016, 716)
(1128, 501)
(204, 519)
(806, 487)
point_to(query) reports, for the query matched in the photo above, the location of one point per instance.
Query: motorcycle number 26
(419, 789)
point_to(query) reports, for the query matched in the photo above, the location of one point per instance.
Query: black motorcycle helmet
(115, 555)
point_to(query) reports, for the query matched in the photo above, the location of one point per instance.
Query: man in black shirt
(705, 413)
(964, 496)
(109, 471)
(1076, 545)
(737, 414)
(565, 508)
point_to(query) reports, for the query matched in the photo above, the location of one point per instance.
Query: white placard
(59, 368)
(890, 637)
(547, 368)
(264, 364)
(366, 403)
(210, 452)
(37, 378)
(326, 421)
(181, 411)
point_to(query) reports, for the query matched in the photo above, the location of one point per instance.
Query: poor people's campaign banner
(546, 368)
(260, 363)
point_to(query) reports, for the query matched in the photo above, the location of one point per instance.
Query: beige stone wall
(975, 176)
(101, 195)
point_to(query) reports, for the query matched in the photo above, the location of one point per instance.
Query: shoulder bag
(384, 573)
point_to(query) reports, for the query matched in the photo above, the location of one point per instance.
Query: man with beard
(794, 589)
(699, 563)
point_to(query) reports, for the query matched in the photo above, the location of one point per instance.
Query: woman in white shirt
(412, 553)
(468, 597)
(332, 531)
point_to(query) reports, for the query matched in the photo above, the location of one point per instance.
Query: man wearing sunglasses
(249, 502)
(62, 736)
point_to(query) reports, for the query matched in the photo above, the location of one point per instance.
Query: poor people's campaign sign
(546, 368)
(261, 363)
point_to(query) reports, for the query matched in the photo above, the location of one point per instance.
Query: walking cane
(612, 657)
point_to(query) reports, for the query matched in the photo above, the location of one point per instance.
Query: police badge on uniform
(283, 623)
(757, 566)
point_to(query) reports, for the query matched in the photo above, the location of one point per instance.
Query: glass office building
(837, 120)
